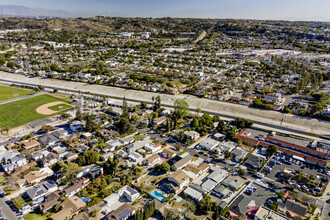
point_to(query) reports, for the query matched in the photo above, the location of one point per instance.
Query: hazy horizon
(293, 10)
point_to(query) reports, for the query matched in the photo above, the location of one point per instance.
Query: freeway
(265, 118)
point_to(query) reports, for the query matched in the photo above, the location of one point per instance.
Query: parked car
(260, 175)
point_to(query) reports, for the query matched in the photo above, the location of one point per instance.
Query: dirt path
(44, 109)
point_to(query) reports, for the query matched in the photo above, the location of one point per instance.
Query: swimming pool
(64, 154)
(157, 195)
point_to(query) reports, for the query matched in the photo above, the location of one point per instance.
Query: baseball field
(22, 111)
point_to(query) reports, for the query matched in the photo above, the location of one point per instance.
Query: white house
(76, 126)
(152, 148)
(209, 144)
(113, 144)
(135, 157)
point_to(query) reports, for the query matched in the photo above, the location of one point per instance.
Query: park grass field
(59, 107)
(20, 112)
(7, 93)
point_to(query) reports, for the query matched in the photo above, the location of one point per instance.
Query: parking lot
(277, 169)
(261, 195)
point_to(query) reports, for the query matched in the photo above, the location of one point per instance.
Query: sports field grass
(59, 107)
(12, 93)
(20, 112)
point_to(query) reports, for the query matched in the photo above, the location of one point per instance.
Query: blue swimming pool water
(157, 195)
(62, 155)
(85, 199)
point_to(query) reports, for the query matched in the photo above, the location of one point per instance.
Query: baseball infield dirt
(44, 109)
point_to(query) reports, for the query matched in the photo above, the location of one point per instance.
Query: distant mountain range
(22, 11)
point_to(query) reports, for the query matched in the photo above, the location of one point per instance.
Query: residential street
(6, 210)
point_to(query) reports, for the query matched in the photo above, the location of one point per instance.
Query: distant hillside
(120, 24)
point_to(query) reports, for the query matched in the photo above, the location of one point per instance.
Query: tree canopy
(181, 108)
(87, 158)
(163, 167)
(271, 150)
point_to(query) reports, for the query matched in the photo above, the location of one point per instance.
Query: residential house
(122, 213)
(76, 126)
(177, 181)
(293, 208)
(61, 134)
(70, 157)
(168, 153)
(158, 121)
(114, 143)
(91, 171)
(126, 193)
(208, 185)
(209, 144)
(154, 159)
(105, 157)
(227, 146)
(49, 160)
(255, 161)
(192, 135)
(81, 148)
(181, 163)
(29, 144)
(275, 96)
(70, 206)
(241, 205)
(265, 213)
(48, 140)
(218, 175)
(11, 163)
(137, 145)
(239, 154)
(135, 157)
(50, 200)
(8, 154)
(234, 182)
(40, 190)
(128, 140)
(75, 187)
(192, 171)
(40, 154)
(219, 136)
(58, 149)
(108, 133)
(152, 148)
(221, 191)
(122, 154)
(36, 176)
(193, 193)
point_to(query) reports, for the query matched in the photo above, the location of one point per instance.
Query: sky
(307, 10)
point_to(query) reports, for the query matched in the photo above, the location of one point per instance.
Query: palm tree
(299, 175)
(311, 178)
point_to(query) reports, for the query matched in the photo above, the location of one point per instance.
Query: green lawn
(59, 107)
(12, 93)
(20, 112)
(19, 202)
(34, 216)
